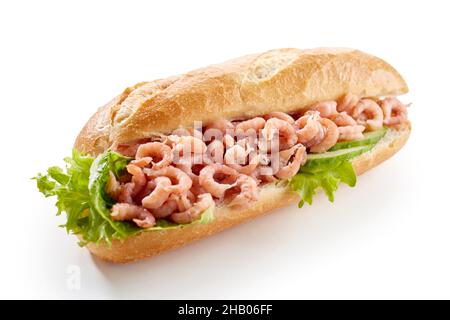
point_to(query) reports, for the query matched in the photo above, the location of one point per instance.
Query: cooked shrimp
(113, 186)
(138, 179)
(254, 162)
(251, 126)
(347, 103)
(222, 125)
(207, 181)
(330, 138)
(148, 152)
(159, 194)
(348, 133)
(184, 201)
(189, 148)
(126, 193)
(204, 202)
(235, 155)
(265, 174)
(228, 141)
(124, 212)
(307, 126)
(342, 119)
(182, 181)
(165, 210)
(284, 130)
(247, 191)
(394, 111)
(189, 144)
(183, 132)
(325, 108)
(119, 192)
(369, 114)
(280, 115)
(197, 189)
(215, 151)
(291, 160)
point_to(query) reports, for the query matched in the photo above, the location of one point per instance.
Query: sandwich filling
(180, 175)
(170, 180)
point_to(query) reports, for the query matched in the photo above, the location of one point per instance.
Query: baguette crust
(278, 80)
(271, 197)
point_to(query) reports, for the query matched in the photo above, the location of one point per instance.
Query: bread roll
(284, 80)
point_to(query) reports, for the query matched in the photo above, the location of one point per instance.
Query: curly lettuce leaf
(306, 183)
(80, 193)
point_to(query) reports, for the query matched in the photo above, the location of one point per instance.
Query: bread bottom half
(272, 197)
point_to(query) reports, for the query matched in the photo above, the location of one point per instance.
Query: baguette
(284, 80)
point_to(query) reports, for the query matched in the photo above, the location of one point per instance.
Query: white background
(387, 238)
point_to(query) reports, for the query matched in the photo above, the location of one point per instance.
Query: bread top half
(284, 80)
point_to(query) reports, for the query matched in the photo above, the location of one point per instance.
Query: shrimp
(342, 119)
(394, 111)
(325, 108)
(369, 114)
(141, 216)
(166, 209)
(235, 155)
(298, 155)
(138, 180)
(187, 146)
(228, 141)
(204, 202)
(182, 132)
(222, 125)
(248, 191)
(146, 153)
(207, 181)
(215, 150)
(119, 192)
(183, 201)
(285, 131)
(194, 164)
(347, 103)
(183, 181)
(307, 126)
(113, 187)
(280, 115)
(330, 138)
(197, 189)
(254, 162)
(348, 133)
(159, 194)
(263, 174)
(146, 222)
(251, 126)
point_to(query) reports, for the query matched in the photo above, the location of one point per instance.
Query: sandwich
(175, 160)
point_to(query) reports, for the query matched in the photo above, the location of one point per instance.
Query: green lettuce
(80, 193)
(325, 171)
(306, 183)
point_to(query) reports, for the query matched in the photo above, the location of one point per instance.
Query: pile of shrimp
(180, 175)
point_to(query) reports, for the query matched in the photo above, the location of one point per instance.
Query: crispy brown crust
(277, 80)
(152, 243)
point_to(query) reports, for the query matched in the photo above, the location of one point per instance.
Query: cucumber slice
(369, 138)
(320, 161)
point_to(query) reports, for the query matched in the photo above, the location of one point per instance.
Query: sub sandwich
(175, 160)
